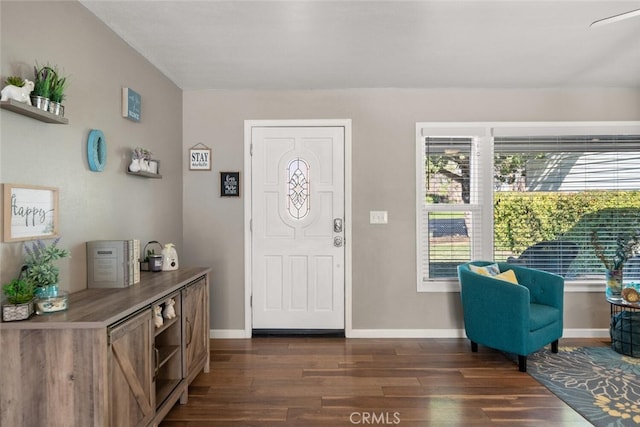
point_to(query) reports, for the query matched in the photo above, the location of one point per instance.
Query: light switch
(378, 217)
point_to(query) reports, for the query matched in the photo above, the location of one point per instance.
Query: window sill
(454, 286)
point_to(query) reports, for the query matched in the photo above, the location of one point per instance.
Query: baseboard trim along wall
(412, 333)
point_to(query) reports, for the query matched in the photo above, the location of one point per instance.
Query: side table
(625, 327)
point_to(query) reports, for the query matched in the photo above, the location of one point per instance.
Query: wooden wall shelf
(145, 174)
(33, 112)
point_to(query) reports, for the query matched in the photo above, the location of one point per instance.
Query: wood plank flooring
(299, 381)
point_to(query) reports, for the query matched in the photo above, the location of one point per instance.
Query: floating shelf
(145, 174)
(33, 112)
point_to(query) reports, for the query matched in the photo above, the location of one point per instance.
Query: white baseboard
(411, 333)
(586, 333)
(228, 333)
(407, 333)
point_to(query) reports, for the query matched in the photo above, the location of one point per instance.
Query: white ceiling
(211, 44)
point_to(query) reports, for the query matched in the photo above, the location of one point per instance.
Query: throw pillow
(507, 276)
(487, 270)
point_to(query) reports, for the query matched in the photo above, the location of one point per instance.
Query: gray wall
(93, 206)
(384, 260)
(185, 208)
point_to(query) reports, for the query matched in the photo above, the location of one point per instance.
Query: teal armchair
(514, 318)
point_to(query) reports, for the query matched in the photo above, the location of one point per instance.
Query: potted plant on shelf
(614, 258)
(19, 294)
(58, 86)
(44, 77)
(140, 160)
(43, 275)
(14, 81)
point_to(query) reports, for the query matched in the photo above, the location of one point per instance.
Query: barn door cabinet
(104, 362)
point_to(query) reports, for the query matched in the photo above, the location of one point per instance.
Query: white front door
(297, 227)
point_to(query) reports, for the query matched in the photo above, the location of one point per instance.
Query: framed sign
(131, 104)
(30, 212)
(229, 184)
(200, 158)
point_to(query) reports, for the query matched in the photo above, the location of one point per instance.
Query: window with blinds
(449, 205)
(557, 198)
(562, 197)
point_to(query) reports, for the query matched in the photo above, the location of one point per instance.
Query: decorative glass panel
(298, 194)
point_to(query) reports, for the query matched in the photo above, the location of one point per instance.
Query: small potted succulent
(14, 81)
(19, 294)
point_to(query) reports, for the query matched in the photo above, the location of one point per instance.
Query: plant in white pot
(43, 274)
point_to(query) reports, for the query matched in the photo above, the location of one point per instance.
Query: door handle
(337, 225)
(337, 241)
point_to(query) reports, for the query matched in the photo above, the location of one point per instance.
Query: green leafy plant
(58, 86)
(43, 81)
(41, 270)
(19, 291)
(15, 81)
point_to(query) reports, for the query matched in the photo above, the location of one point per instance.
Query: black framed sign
(229, 184)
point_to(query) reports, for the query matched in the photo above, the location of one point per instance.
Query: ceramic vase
(134, 166)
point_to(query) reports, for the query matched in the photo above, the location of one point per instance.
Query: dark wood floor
(299, 381)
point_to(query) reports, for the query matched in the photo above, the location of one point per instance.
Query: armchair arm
(496, 312)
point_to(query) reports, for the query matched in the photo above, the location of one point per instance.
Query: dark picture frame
(229, 184)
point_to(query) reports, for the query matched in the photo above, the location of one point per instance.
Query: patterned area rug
(600, 384)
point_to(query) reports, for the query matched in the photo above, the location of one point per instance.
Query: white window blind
(565, 189)
(449, 214)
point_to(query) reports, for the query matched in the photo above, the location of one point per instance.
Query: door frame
(248, 126)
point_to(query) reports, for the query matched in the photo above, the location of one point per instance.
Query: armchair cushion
(541, 316)
(508, 276)
(486, 270)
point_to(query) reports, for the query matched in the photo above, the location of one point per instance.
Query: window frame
(483, 134)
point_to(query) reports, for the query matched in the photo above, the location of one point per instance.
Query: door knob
(337, 225)
(337, 241)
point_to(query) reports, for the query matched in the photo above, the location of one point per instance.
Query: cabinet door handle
(189, 332)
(156, 370)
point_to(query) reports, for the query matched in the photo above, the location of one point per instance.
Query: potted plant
(58, 86)
(43, 275)
(19, 294)
(614, 258)
(44, 77)
(14, 81)
(140, 160)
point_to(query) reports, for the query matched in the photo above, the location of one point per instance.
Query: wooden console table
(103, 362)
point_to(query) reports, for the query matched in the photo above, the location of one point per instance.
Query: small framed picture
(200, 159)
(131, 104)
(30, 212)
(229, 184)
(154, 166)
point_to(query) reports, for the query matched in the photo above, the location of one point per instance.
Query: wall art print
(30, 212)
